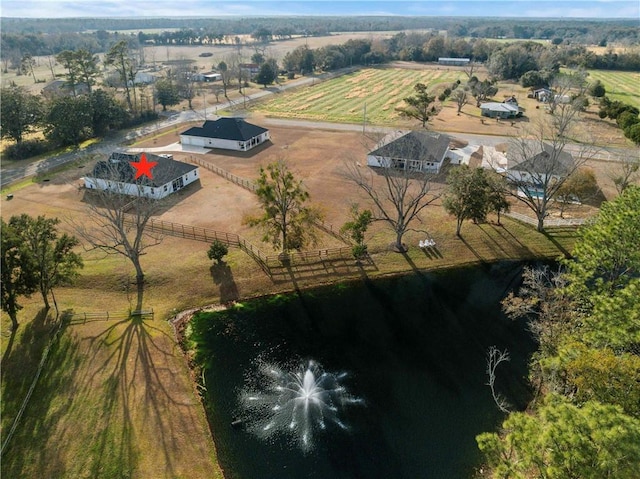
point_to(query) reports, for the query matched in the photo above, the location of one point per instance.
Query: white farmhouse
(227, 134)
(116, 174)
(414, 150)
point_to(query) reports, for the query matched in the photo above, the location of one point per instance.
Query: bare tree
(626, 173)
(494, 358)
(118, 220)
(461, 97)
(399, 192)
(469, 69)
(541, 161)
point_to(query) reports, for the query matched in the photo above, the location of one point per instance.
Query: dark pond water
(414, 349)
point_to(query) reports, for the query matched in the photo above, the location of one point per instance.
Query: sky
(218, 8)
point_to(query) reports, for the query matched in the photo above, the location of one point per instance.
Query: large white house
(535, 164)
(227, 134)
(413, 150)
(116, 174)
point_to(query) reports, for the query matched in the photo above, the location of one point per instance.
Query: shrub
(359, 251)
(633, 133)
(26, 149)
(627, 119)
(217, 251)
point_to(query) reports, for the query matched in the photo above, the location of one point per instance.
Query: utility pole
(364, 118)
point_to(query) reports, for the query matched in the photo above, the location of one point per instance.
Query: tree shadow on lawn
(320, 269)
(222, 275)
(30, 452)
(134, 374)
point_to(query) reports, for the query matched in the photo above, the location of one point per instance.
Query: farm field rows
(343, 99)
(622, 86)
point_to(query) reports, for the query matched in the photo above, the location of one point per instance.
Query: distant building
(500, 110)
(250, 68)
(453, 61)
(60, 88)
(116, 174)
(227, 134)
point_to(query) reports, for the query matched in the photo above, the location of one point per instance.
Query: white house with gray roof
(117, 175)
(413, 150)
(227, 134)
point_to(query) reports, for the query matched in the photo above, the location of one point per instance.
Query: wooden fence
(548, 223)
(109, 315)
(251, 186)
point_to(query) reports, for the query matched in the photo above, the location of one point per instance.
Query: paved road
(114, 142)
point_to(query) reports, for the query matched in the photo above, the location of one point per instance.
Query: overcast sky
(216, 8)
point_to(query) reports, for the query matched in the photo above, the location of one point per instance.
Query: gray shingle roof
(118, 168)
(542, 159)
(226, 129)
(416, 145)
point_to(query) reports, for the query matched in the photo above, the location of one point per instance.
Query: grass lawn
(343, 99)
(622, 86)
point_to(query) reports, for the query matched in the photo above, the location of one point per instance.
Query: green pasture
(343, 99)
(622, 86)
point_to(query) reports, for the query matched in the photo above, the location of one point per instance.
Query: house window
(152, 191)
(165, 187)
(195, 173)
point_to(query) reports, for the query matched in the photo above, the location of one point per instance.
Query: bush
(291, 75)
(627, 119)
(217, 251)
(633, 133)
(442, 97)
(359, 251)
(26, 149)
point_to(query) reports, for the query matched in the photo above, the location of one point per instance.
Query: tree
(27, 64)
(467, 195)
(69, 120)
(482, 90)
(20, 113)
(87, 67)
(52, 255)
(227, 75)
(580, 186)
(563, 440)
(116, 231)
(356, 228)
(604, 274)
(626, 173)
(167, 93)
(288, 223)
(217, 251)
(67, 60)
(17, 272)
(597, 89)
(497, 193)
(266, 75)
(419, 105)
(398, 194)
(106, 112)
(461, 98)
(120, 57)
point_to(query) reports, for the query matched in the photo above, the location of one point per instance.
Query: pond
(413, 350)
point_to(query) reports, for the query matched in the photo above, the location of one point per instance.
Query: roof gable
(118, 168)
(226, 129)
(541, 159)
(415, 145)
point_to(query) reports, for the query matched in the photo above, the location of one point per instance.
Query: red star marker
(143, 167)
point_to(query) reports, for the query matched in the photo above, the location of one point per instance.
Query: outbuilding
(117, 175)
(227, 134)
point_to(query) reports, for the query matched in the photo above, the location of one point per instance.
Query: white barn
(414, 150)
(227, 134)
(116, 174)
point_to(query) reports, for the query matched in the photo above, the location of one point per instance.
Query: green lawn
(622, 86)
(343, 99)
